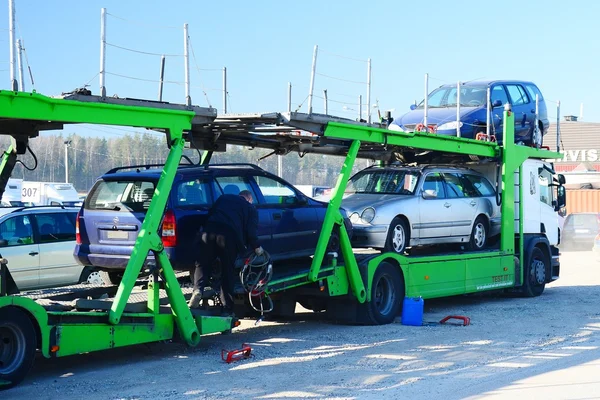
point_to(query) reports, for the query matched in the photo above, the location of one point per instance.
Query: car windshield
(584, 221)
(123, 195)
(445, 96)
(384, 182)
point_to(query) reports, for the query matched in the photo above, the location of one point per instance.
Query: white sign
(590, 155)
(31, 192)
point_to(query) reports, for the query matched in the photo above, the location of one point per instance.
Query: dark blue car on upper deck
(442, 105)
(112, 214)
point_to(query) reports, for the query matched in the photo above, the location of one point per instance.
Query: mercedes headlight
(368, 215)
(354, 218)
(449, 126)
(395, 127)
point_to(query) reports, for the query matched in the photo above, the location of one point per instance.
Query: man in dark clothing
(230, 229)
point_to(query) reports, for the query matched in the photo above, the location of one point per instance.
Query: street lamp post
(67, 143)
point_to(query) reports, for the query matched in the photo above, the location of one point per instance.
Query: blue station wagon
(442, 105)
(112, 214)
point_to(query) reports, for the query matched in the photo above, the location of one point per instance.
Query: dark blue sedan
(111, 217)
(442, 110)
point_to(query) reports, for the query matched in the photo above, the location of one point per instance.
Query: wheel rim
(538, 271)
(479, 235)
(94, 278)
(398, 238)
(12, 348)
(384, 295)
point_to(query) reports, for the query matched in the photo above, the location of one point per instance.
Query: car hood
(358, 202)
(435, 116)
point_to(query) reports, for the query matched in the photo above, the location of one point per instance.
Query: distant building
(580, 143)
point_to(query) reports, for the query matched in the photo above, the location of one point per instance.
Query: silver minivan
(396, 207)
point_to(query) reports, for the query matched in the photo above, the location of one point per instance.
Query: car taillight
(169, 235)
(77, 234)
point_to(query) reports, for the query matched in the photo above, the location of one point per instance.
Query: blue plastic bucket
(412, 311)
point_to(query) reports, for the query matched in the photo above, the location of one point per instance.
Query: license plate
(117, 234)
(582, 231)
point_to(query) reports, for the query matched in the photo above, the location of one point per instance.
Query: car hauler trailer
(357, 288)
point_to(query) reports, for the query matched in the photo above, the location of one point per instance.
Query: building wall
(583, 200)
(579, 141)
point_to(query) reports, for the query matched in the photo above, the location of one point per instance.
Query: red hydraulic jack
(465, 320)
(236, 355)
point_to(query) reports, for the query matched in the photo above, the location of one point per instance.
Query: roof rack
(206, 166)
(17, 209)
(148, 166)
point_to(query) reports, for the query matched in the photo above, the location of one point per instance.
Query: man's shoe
(195, 299)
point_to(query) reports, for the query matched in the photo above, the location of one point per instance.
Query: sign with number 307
(30, 192)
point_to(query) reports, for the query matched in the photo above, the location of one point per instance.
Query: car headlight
(449, 126)
(368, 214)
(354, 218)
(395, 127)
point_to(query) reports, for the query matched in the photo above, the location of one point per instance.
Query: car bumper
(97, 259)
(369, 236)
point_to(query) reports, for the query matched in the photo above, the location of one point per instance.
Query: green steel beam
(418, 140)
(333, 216)
(34, 106)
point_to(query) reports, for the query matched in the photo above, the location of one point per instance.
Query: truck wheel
(535, 274)
(17, 346)
(387, 294)
(111, 278)
(479, 234)
(398, 236)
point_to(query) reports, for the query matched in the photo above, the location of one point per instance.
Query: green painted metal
(333, 216)
(37, 312)
(302, 279)
(34, 106)
(207, 325)
(83, 338)
(338, 283)
(521, 226)
(206, 157)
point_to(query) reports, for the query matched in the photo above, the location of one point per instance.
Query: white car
(38, 243)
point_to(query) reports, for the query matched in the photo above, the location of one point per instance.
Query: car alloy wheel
(479, 235)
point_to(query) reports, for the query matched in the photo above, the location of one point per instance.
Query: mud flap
(7, 283)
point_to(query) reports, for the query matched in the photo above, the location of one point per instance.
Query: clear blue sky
(265, 44)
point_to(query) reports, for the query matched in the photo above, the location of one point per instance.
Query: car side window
(275, 192)
(458, 185)
(533, 90)
(55, 227)
(194, 192)
(498, 93)
(517, 95)
(16, 231)
(434, 181)
(233, 185)
(481, 185)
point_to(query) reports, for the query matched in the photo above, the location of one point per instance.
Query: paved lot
(546, 347)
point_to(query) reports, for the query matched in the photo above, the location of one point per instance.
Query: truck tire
(398, 236)
(91, 276)
(17, 346)
(535, 273)
(479, 234)
(387, 294)
(111, 278)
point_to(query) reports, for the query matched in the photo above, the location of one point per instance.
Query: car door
(56, 233)
(498, 93)
(521, 108)
(435, 212)
(294, 222)
(464, 202)
(18, 247)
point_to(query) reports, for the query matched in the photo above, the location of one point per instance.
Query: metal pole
(312, 79)
(558, 126)
(224, 90)
(289, 97)
(489, 111)
(11, 38)
(67, 161)
(186, 56)
(20, 63)
(359, 107)
(103, 52)
(458, 109)
(280, 166)
(425, 105)
(325, 100)
(536, 126)
(369, 90)
(162, 77)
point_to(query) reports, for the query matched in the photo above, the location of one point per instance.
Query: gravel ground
(545, 347)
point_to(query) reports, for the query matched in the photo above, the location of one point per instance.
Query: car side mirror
(561, 179)
(302, 200)
(413, 106)
(497, 103)
(429, 194)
